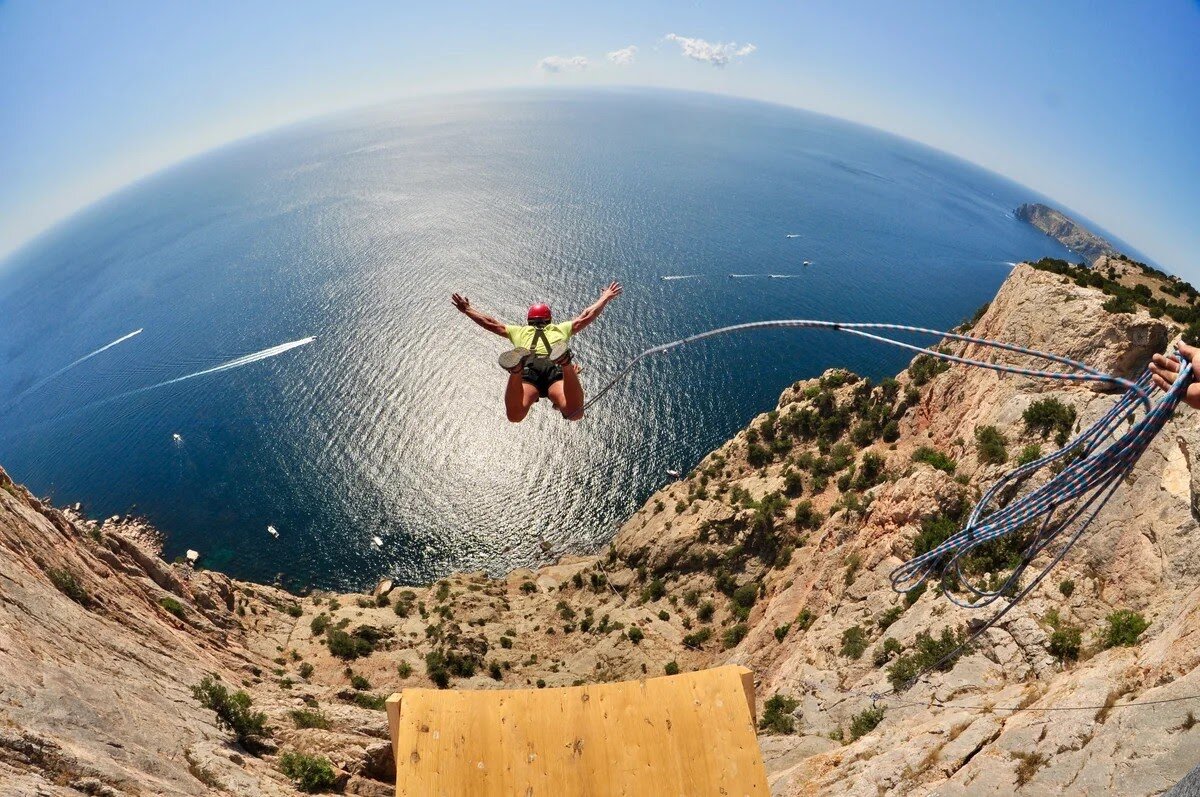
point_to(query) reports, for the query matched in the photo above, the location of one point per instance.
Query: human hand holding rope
(1166, 371)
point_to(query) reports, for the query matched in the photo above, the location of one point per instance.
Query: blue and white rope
(1081, 488)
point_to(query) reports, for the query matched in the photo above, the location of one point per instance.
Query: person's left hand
(612, 291)
(1166, 369)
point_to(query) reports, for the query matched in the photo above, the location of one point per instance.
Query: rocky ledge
(773, 552)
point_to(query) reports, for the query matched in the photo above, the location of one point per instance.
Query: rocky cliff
(1066, 231)
(773, 552)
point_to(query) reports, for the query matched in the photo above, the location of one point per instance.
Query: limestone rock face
(775, 552)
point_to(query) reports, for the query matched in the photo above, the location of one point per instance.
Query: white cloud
(624, 56)
(715, 53)
(561, 63)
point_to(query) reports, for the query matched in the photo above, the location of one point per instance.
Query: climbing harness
(1090, 468)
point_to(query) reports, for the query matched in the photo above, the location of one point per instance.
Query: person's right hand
(1166, 369)
(461, 302)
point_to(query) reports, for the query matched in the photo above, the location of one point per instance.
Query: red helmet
(538, 312)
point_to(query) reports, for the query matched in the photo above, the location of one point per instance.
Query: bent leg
(519, 396)
(567, 394)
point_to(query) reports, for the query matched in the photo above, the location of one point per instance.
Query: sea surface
(354, 230)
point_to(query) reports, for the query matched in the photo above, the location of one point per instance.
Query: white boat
(377, 542)
(674, 474)
(793, 235)
(274, 532)
(177, 437)
(808, 262)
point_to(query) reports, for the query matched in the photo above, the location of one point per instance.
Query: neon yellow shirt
(522, 337)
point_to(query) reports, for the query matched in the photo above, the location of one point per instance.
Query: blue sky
(1095, 104)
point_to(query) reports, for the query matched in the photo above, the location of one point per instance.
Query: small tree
(991, 445)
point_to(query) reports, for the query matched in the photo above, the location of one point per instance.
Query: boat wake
(68, 367)
(680, 277)
(238, 362)
(783, 276)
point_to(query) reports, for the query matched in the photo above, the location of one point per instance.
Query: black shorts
(541, 372)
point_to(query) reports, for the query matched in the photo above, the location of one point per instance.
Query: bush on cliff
(777, 714)
(991, 445)
(1124, 628)
(233, 710)
(310, 773)
(67, 584)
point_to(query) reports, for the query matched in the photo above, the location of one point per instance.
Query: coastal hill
(773, 552)
(1066, 231)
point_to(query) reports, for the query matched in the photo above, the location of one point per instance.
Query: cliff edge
(772, 552)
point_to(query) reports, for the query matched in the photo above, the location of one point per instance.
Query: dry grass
(1028, 765)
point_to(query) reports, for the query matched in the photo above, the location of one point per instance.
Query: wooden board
(689, 735)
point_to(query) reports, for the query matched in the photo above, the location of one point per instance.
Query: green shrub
(782, 631)
(359, 682)
(885, 620)
(655, 590)
(495, 670)
(734, 635)
(293, 610)
(745, 596)
(1065, 642)
(698, 638)
(307, 718)
(1030, 453)
(991, 445)
(1067, 588)
(891, 432)
(404, 669)
(310, 773)
(941, 653)
(233, 710)
(777, 714)
(319, 624)
(67, 584)
(366, 700)
(348, 646)
(924, 367)
(306, 670)
(934, 458)
(705, 613)
(635, 634)
(854, 642)
(865, 721)
(804, 619)
(885, 652)
(853, 562)
(1049, 415)
(1119, 304)
(528, 587)
(171, 606)
(671, 668)
(805, 516)
(1124, 628)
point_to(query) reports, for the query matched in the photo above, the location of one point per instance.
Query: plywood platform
(689, 735)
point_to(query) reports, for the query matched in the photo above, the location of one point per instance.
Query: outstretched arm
(1166, 369)
(486, 321)
(589, 315)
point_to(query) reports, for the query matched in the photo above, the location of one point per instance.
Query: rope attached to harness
(1089, 469)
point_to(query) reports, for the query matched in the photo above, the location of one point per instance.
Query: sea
(262, 336)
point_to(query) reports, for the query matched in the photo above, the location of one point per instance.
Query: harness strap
(539, 333)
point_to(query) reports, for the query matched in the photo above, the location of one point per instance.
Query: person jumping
(540, 364)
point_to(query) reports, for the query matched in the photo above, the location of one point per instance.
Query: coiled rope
(1089, 473)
